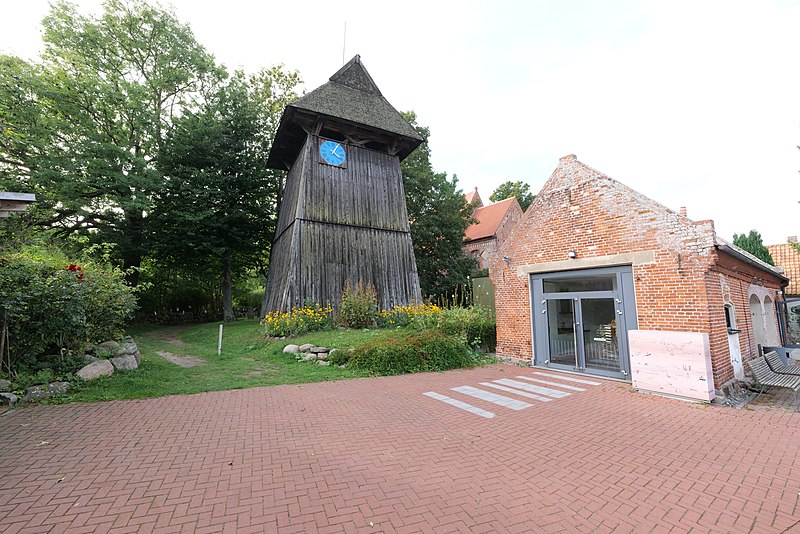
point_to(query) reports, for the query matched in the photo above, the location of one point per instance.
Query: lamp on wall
(507, 260)
(572, 254)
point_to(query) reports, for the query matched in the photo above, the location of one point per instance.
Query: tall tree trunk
(227, 287)
(130, 264)
(3, 337)
(132, 245)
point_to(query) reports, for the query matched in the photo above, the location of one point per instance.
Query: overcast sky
(694, 103)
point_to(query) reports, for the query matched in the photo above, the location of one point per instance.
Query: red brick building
(493, 225)
(593, 259)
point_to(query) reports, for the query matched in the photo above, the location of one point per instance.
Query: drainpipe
(781, 322)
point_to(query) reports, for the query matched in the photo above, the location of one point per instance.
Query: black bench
(766, 377)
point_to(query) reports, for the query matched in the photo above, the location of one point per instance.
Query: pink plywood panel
(672, 363)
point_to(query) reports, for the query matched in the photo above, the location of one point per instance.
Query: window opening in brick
(729, 317)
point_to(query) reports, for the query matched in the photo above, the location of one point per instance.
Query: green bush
(50, 304)
(409, 352)
(476, 324)
(26, 380)
(358, 307)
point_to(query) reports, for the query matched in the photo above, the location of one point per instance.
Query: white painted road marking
(458, 404)
(488, 396)
(530, 387)
(516, 392)
(573, 388)
(568, 378)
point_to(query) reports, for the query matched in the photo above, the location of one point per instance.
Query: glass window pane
(561, 331)
(792, 319)
(606, 282)
(600, 346)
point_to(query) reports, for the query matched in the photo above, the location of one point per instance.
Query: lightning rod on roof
(344, 41)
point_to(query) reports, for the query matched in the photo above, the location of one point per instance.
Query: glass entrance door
(580, 320)
(600, 334)
(562, 332)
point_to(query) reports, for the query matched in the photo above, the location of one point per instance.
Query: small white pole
(219, 345)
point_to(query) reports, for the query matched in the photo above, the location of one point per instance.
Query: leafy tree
(753, 244)
(85, 130)
(219, 199)
(439, 216)
(509, 189)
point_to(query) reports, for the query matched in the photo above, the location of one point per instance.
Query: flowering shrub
(358, 307)
(75, 268)
(51, 306)
(404, 315)
(298, 321)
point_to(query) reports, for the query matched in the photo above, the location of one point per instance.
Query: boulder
(58, 388)
(317, 350)
(95, 370)
(129, 348)
(125, 363)
(8, 398)
(107, 348)
(308, 357)
(5, 385)
(321, 355)
(45, 391)
(88, 358)
(306, 347)
(322, 362)
(291, 349)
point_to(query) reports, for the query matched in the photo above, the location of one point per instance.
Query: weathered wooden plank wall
(282, 274)
(332, 255)
(291, 192)
(342, 223)
(368, 192)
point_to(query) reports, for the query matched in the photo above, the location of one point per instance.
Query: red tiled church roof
(488, 218)
(474, 198)
(786, 256)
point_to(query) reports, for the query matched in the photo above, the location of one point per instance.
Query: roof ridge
(354, 74)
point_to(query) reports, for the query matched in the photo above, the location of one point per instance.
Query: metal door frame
(624, 305)
(781, 308)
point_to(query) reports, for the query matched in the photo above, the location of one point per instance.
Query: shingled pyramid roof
(349, 96)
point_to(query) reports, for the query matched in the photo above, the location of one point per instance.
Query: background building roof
(786, 256)
(474, 198)
(489, 218)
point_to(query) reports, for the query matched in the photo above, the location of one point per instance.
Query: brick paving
(376, 455)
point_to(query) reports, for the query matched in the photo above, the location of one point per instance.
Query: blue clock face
(332, 153)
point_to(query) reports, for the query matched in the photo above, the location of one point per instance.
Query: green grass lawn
(248, 360)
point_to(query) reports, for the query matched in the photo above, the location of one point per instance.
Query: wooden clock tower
(343, 214)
